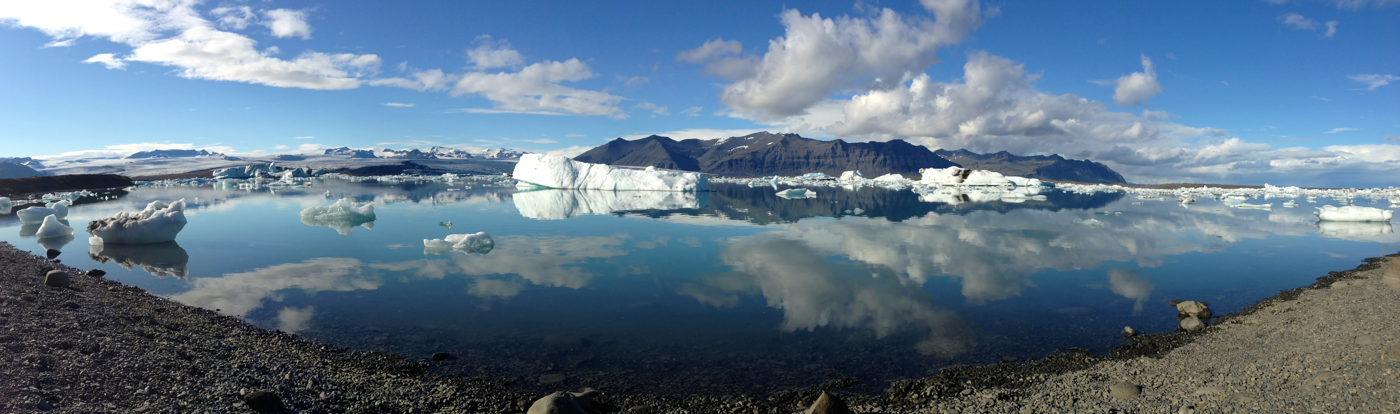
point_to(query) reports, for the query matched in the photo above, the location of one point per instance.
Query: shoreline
(103, 346)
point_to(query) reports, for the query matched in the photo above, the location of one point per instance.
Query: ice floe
(562, 204)
(36, 214)
(554, 171)
(342, 216)
(158, 222)
(479, 242)
(1353, 213)
(53, 228)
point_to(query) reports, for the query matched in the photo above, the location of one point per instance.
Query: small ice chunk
(36, 214)
(158, 222)
(53, 228)
(1248, 206)
(342, 216)
(890, 177)
(554, 171)
(1353, 213)
(816, 176)
(479, 243)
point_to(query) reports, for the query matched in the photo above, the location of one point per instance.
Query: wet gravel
(100, 346)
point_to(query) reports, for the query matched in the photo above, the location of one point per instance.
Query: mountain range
(766, 154)
(172, 153)
(434, 153)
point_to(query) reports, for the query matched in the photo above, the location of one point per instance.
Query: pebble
(57, 278)
(1129, 331)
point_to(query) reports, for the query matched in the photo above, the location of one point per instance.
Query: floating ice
(248, 171)
(852, 175)
(1025, 182)
(342, 216)
(36, 214)
(797, 193)
(158, 259)
(554, 171)
(53, 228)
(1353, 213)
(964, 176)
(562, 204)
(816, 176)
(158, 222)
(479, 243)
(1290, 204)
(890, 177)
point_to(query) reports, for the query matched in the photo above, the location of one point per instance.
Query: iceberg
(1353, 213)
(37, 214)
(563, 204)
(852, 175)
(890, 177)
(797, 193)
(158, 222)
(816, 176)
(479, 243)
(158, 259)
(964, 176)
(53, 228)
(554, 171)
(342, 216)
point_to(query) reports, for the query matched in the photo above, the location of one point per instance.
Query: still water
(729, 292)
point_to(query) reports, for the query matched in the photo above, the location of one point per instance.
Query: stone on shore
(52, 253)
(828, 404)
(1192, 324)
(57, 278)
(263, 402)
(1124, 390)
(564, 403)
(1192, 308)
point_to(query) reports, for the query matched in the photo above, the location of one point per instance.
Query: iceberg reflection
(342, 216)
(562, 204)
(1354, 230)
(158, 259)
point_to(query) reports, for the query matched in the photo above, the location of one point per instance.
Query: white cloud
(490, 53)
(287, 23)
(281, 147)
(234, 18)
(197, 49)
(699, 133)
(655, 110)
(1374, 81)
(1392, 138)
(1130, 284)
(1358, 4)
(1298, 22)
(422, 80)
(575, 135)
(1336, 130)
(636, 81)
(305, 137)
(398, 105)
(107, 59)
(294, 319)
(818, 56)
(1331, 29)
(536, 89)
(691, 111)
(1136, 88)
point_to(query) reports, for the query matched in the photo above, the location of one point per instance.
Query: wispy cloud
(1336, 130)
(305, 137)
(501, 111)
(1298, 22)
(1392, 138)
(655, 110)
(691, 111)
(1373, 81)
(575, 135)
(398, 105)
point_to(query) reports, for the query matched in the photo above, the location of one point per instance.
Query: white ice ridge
(554, 171)
(969, 177)
(158, 222)
(36, 214)
(53, 228)
(1353, 213)
(479, 242)
(342, 216)
(562, 204)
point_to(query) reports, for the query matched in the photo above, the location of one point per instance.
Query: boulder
(1124, 390)
(565, 403)
(1191, 308)
(1192, 324)
(828, 404)
(57, 278)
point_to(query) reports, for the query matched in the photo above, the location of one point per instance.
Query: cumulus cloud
(198, 49)
(1373, 81)
(817, 56)
(1298, 22)
(107, 59)
(287, 23)
(536, 89)
(491, 53)
(1136, 88)
(1331, 29)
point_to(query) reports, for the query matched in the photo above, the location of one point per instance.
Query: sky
(1290, 92)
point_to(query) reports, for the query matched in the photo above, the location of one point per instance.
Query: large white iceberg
(562, 204)
(342, 216)
(1353, 213)
(479, 242)
(53, 228)
(36, 214)
(964, 176)
(158, 222)
(852, 175)
(554, 171)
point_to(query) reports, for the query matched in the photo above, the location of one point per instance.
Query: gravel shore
(100, 346)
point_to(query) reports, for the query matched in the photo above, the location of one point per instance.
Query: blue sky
(1290, 91)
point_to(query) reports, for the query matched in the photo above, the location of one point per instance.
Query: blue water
(731, 292)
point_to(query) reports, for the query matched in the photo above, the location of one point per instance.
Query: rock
(440, 356)
(45, 405)
(1192, 308)
(1186, 409)
(828, 404)
(263, 402)
(1124, 390)
(1192, 324)
(547, 379)
(564, 403)
(52, 253)
(1129, 331)
(96, 273)
(57, 278)
(1392, 274)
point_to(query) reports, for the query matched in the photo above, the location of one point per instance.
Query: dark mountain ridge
(765, 154)
(1045, 167)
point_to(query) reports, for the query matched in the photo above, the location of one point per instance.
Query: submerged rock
(52, 253)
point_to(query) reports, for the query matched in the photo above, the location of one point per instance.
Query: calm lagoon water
(729, 292)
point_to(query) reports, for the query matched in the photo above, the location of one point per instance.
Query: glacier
(554, 171)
